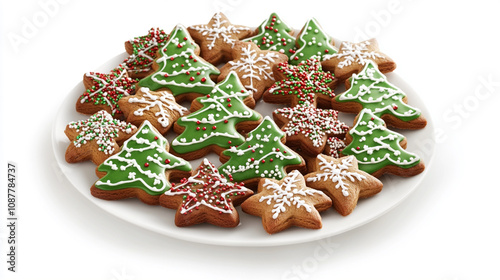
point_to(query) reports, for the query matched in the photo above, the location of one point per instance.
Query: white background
(447, 229)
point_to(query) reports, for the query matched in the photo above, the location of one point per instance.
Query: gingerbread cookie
(312, 42)
(205, 197)
(298, 84)
(353, 57)
(215, 126)
(288, 202)
(334, 146)
(380, 150)
(96, 138)
(370, 90)
(141, 169)
(180, 69)
(253, 66)
(158, 107)
(308, 128)
(102, 91)
(262, 155)
(274, 35)
(342, 181)
(143, 51)
(218, 37)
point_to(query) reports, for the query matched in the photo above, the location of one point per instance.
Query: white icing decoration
(372, 127)
(390, 92)
(165, 104)
(217, 180)
(337, 173)
(160, 145)
(254, 66)
(287, 194)
(219, 31)
(354, 53)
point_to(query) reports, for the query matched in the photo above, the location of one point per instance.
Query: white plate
(250, 231)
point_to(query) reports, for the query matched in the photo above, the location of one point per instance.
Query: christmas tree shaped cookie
(262, 155)
(312, 42)
(298, 84)
(205, 197)
(274, 35)
(218, 37)
(143, 51)
(180, 69)
(253, 66)
(380, 150)
(287, 202)
(370, 90)
(141, 169)
(215, 126)
(102, 91)
(342, 181)
(352, 57)
(308, 128)
(96, 138)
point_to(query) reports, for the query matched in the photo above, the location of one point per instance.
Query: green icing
(215, 123)
(313, 42)
(179, 68)
(262, 155)
(141, 163)
(274, 36)
(371, 89)
(375, 146)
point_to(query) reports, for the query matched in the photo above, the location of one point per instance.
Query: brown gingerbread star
(217, 38)
(205, 197)
(288, 202)
(308, 128)
(159, 107)
(253, 66)
(142, 52)
(342, 181)
(298, 84)
(102, 91)
(352, 57)
(96, 138)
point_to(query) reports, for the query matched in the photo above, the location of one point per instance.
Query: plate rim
(105, 205)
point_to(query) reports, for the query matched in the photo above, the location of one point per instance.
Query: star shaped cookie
(253, 66)
(352, 58)
(308, 128)
(288, 202)
(334, 146)
(96, 138)
(205, 197)
(143, 51)
(159, 107)
(342, 181)
(298, 84)
(217, 38)
(102, 91)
